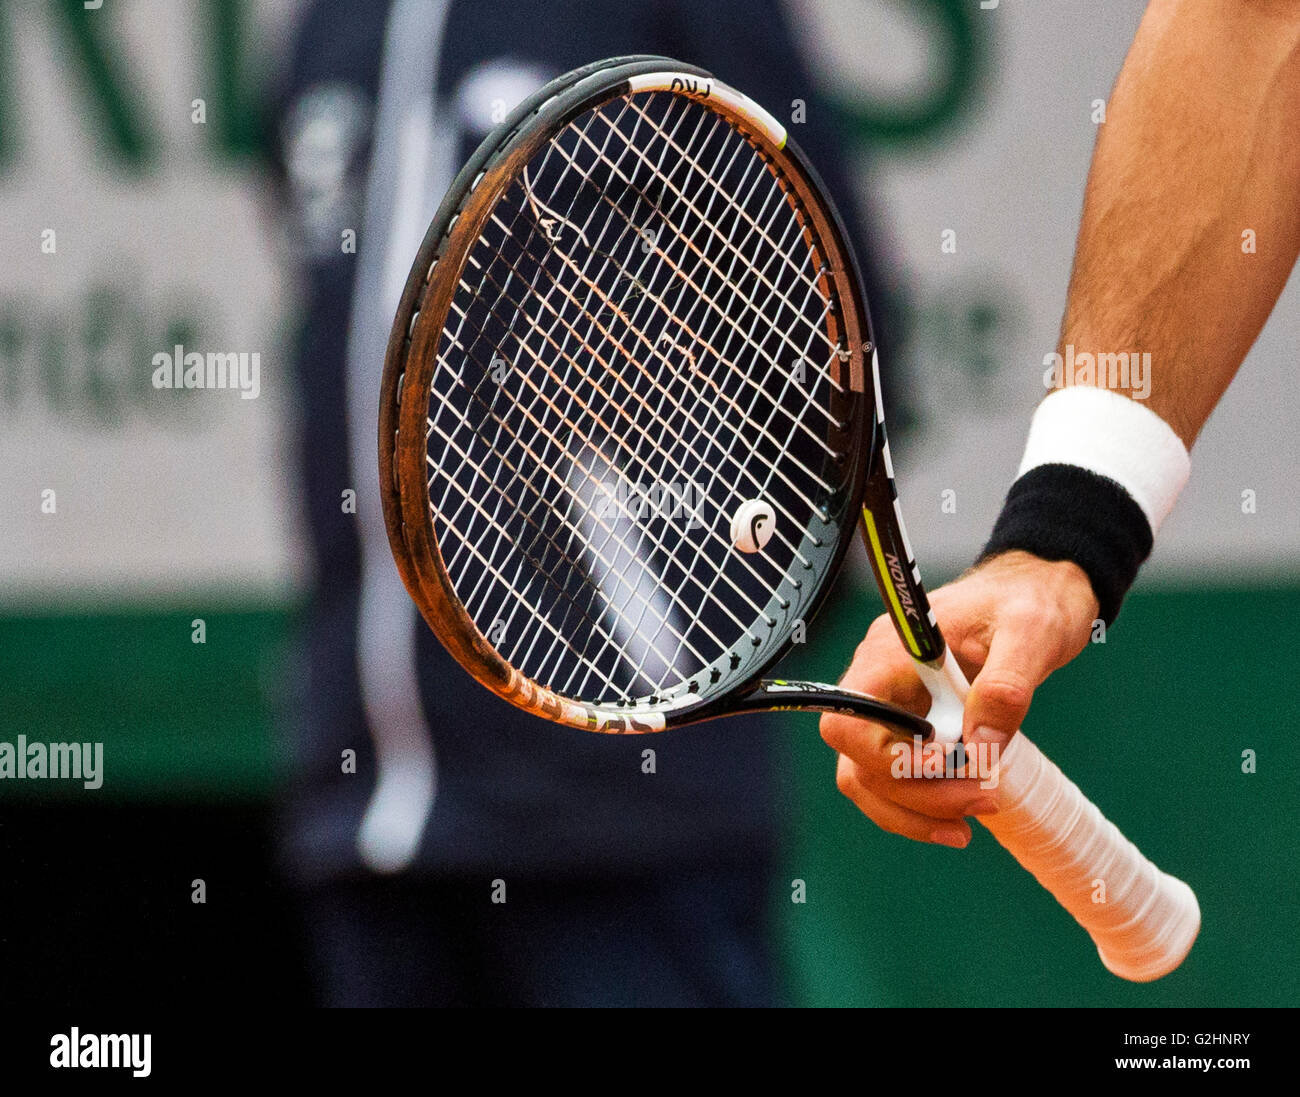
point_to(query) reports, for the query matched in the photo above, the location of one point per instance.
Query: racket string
(491, 568)
(644, 609)
(638, 429)
(623, 361)
(776, 249)
(728, 279)
(542, 464)
(545, 465)
(773, 323)
(652, 346)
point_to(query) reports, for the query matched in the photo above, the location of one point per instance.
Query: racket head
(619, 290)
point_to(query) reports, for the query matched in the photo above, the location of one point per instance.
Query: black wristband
(1063, 512)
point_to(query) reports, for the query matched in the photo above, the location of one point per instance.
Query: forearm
(1199, 146)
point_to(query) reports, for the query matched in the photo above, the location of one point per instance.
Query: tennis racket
(630, 424)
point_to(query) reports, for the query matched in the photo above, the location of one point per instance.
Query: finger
(927, 779)
(896, 819)
(882, 668)
(923, 791)
(1020, 658)
(965, 615)
(862, 740)
(919, 777)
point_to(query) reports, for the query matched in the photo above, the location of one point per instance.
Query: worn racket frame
(1149, 920)
(733, 682)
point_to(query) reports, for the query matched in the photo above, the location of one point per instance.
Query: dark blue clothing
(693, 937)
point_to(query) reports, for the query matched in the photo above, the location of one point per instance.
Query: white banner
(112, 488)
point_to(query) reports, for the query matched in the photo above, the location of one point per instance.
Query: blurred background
(170, 147)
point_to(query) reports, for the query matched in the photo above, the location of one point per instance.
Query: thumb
(999, 697)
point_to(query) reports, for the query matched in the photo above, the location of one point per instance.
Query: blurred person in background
(448, 848)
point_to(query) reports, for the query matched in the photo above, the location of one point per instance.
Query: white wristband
(1115, 437)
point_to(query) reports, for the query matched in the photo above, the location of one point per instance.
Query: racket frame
(409, 364)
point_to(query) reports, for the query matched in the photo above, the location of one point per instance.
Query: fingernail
(985, 734)
(983, 807)
(949, 836)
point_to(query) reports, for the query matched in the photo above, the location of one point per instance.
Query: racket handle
(1142, 920)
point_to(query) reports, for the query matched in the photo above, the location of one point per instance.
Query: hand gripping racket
(630, 422)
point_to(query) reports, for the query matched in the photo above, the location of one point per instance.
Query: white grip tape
(1143, 921)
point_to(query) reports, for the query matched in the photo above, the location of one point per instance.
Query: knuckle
(1029, 614)
(1058, 617)
(1004, 690)
(1049, 617)
(865, 782)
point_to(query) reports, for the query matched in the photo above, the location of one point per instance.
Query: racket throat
(782, 695)
(947, 686)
